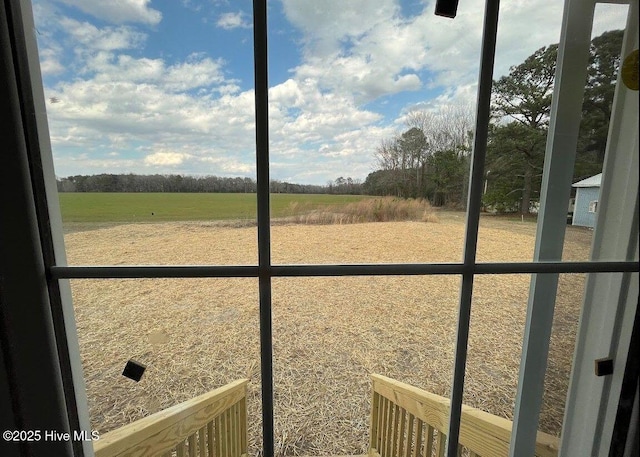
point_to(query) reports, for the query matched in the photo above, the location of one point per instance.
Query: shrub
(383, 209)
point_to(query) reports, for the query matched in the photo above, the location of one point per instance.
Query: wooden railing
(213, 424)
(410, 422)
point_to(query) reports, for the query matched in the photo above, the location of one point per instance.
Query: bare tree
(404, 159)
(447, 128)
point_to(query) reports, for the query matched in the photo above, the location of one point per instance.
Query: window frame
(545, 267)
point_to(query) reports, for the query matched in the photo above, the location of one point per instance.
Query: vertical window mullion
(473, 219)
(264, 234)
(564, 123)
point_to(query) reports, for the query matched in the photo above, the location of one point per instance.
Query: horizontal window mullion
(154, 271)
(249, 271)
(557, 267)
(454, 268)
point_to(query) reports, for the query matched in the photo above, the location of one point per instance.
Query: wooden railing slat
(441, 445)
(394, 430)
(232, 434)
(384, 428)
(383, 425)
(229, 418)
(235, 436)
(410, 436)
(383, 422)
(230, 437)
(210, 439)
(224, 434)
(419, 432)
(192, 446)
(389, 428)
(238, 430)
(402, 440)
(202, 442)
(180, 449)
(373, 429)
(243, 420)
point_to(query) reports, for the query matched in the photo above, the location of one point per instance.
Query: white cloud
(50, 61)
(230, 21)
(196, 72)
(90, 37)
(315, 135)
(328, 24)
(149, 112)
(79, 164)
(353, 48)
(166, 158)
(230, 166)
(302, 112)
(373, 52)
(118, 11)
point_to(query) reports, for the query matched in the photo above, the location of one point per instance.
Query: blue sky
(147, 86)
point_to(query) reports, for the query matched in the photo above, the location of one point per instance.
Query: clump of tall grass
(384, 209)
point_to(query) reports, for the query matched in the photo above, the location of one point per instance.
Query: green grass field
(154, 207)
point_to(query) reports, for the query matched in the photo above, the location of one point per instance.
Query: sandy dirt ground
(329, 333)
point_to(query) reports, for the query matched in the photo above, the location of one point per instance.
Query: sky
(150, 86)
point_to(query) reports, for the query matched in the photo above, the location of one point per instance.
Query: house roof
(593, 181)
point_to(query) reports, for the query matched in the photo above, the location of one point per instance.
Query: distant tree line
(431, 158)
(185, 183)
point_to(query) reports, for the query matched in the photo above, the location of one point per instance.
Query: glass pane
(495, 346)
(331, 334)
(356, 117)
(345, 114)
(603, 313)
(518, 136)
(193, 336)
(498, 315)
(569, 302)
(604, 140)
(151, 118)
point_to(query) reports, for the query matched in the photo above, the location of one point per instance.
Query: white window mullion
(610, 299)
(573, 56)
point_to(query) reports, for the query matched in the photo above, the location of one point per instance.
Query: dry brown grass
(329, 333)
(384, 209)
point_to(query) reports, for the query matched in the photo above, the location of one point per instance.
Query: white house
(586, 202)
